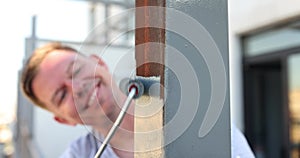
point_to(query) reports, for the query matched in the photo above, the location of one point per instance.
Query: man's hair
(32, 65)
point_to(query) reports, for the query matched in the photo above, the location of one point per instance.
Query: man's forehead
(57, 58)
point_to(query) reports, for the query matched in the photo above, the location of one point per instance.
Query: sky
(15, 16)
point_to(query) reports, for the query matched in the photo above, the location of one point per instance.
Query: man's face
(77, 89)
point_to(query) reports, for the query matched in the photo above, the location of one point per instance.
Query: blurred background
(264, 43)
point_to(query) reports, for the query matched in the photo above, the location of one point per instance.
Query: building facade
(264, 51)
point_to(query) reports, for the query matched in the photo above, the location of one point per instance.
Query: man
(80, 90)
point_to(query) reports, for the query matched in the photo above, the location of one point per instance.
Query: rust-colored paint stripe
(145, 51)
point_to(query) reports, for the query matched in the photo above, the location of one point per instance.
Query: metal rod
(116, 124)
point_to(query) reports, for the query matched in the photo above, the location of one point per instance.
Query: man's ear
(100, 61)
(63, 121)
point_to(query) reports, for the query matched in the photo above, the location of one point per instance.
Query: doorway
(264, 100)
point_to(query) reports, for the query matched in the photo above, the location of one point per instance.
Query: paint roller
(144, 86)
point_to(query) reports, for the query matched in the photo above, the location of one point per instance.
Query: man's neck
(122, 141)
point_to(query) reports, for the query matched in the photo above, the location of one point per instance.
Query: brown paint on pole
(149, 58)
(149, 55)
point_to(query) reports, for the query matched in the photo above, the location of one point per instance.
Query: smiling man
(79, 90)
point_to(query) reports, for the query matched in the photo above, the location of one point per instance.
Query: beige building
(264, 50)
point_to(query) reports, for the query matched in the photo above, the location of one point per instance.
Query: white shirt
(239, 147)
(87, 146)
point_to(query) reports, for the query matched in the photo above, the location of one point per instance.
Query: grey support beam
(197, 111)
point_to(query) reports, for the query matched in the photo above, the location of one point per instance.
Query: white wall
(245, 16)
(248, 15)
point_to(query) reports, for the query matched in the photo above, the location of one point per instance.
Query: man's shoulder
(87, 146)
(240, 146)
(84, 145)
(84, 140)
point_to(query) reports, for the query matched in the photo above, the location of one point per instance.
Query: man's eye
(62, 95)
(76, 72)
